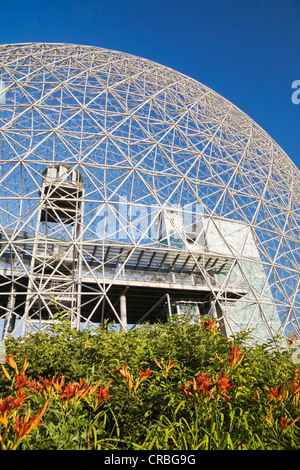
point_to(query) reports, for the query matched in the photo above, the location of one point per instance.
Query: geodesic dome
(129, 191)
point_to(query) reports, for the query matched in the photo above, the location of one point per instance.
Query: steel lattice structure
(129, 191)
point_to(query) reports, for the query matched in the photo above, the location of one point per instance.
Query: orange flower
(23, 426)
(9, 405)
(46, 385)
(4, 405)
(55, 382)
(288, 423)
(277, 394)
(125, 373)
(201, 386)
(75, 390)
(223, 384)
(34, 385)
(204, 384)
(10, 360)
(211, 326)
(78, 390)
(294, 387)
(165, 368)
(70, 392)
(145, 374)
(24, 367)
(293, 339)
(235, 357)
(21, 383)
(102, 395)
(94, 387)
(129, 378)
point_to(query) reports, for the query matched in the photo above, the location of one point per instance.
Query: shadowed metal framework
(131, 192)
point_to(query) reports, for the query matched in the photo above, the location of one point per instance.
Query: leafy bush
(172, 386)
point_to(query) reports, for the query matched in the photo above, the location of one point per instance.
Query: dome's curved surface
(129, 169)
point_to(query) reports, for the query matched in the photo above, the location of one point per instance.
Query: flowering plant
(172, 386)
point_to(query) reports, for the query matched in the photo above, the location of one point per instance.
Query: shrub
(172, 386)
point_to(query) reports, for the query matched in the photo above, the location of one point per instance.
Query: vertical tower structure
(53, 285)
(55, 266)
(130, 192)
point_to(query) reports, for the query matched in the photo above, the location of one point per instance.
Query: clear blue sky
(248, 51)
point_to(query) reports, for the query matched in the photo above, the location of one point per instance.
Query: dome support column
(123, 310)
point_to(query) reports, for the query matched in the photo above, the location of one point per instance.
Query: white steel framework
(129, 191)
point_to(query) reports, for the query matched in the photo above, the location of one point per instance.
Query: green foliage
(172, 386)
